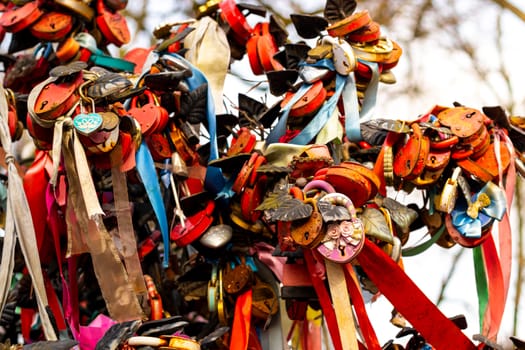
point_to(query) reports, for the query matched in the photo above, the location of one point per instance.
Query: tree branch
(507, 5)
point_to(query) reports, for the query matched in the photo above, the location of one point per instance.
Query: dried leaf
(281, 206)
(402, 215)
(375, 224)
(337, 10)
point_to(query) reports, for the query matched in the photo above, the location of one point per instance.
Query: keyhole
(306, 235)
(342, 250)
(238, 285)
(43, 104)
(470, 115)
(433, 159)
(408, 164)
(52, 25)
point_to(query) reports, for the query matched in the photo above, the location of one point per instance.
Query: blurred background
(469, 51)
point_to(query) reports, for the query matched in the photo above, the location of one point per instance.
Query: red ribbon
(240, 335)
(406, 297)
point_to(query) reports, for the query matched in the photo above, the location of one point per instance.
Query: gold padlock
(447, 200)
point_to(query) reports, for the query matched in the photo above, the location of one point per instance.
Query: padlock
(78, 7)
(16, 19)
(344, 59)
(52, 26)
(194, 227)
(379, 52)
(159, 147)
(231, 14)
(348, 182)
(309, 104)
(237, 279)
(57, 98)
(265, 302)
(253, 194)
(87, 123)
(463, 122)
(243, 142)
(155, 301)
(308, 232)
(408, 156)
(446, 201)
(67, 50)
(343, 240)
(112, 24)
(367, 34)
(266, 49)
(149, 115)
(247, 172)
(182, 147)
(349, 24)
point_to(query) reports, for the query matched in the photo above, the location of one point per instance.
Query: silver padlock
(446, 201)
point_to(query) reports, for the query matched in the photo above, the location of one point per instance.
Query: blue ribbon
(214, 181)
(353, 117)
(280, 129)
(471, 227)
(322, 116)
(148, 175)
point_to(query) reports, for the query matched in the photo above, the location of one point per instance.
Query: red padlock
(56, 99)
(149, 115)
(244, 142)
(231, 14)
(19, 18)
(112, 24)
(52, 26)
(195, 226)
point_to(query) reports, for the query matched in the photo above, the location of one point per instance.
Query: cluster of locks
(163, 221)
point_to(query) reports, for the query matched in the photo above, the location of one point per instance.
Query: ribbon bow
(489, 202)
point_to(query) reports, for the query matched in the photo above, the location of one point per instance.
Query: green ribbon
(481, 283)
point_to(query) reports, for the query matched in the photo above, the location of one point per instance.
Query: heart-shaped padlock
(87, 123)
(149, 115)
(344, 239)
(112, 24)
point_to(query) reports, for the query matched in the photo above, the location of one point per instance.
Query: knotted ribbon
(19, 222)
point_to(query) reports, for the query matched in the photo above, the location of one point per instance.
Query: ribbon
(121, 301)
(341, 302)
(471, 225)
(214, 180)
(351, 104)
(406, 297)
(322, 116)
(19, 222)
(209, 37)
(280, 128)
(358, 302)
(324, 298)
(241, 321)
(148, 175)
(125, 223)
